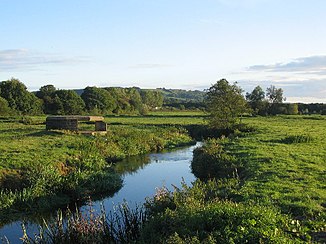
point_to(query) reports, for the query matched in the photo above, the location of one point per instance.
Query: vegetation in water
(69, 167)
(278, 197)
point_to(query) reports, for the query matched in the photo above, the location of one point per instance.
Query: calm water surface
(141, 176)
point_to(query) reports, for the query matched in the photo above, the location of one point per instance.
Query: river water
(142, 175)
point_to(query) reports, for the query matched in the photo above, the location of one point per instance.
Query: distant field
(167, 118)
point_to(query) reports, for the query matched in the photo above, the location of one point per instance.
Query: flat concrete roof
(78, 117)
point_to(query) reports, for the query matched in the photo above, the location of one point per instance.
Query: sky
(187, 44)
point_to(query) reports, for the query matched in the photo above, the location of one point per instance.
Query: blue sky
(166, 43)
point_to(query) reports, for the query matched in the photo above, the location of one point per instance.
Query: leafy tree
(152, 98)
(256, 100)
(225, 104)
(275, 95)
(4, 107)
(18, 98)
(275, 98)
(68, 102)
(46, 93)
(128, 100)
(98, 100)
(292, 108)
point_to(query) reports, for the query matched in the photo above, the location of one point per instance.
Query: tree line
(226, 104)
(16, 99)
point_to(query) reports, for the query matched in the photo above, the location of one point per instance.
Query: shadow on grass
(45, 133)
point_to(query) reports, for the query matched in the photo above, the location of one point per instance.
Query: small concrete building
(70, 122)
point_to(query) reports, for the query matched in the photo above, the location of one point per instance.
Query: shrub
(198, 216)
(211, 161)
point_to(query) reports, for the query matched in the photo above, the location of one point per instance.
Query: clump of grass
(199, 215)
(212, 161)
(124, 225)
(298, 139)
(68, 166)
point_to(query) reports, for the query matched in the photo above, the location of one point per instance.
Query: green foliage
(47, 94)
(69, 166)
(122, 226)
(4, 107)
(19, 98)
(297, 139)
(198, 216)
(128, 100)
(68, 102)
(225, 104)
(152, 98)
(98, 100)
(211, 161)
(179, 95)
(256, 100)
(274, 95)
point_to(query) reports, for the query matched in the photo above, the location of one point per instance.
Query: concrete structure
(71, 122)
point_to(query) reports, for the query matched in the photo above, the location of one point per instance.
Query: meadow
(45, 170)
(264, 183)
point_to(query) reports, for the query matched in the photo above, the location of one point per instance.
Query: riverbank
(43, 170)
(272, 191)
(263, 186)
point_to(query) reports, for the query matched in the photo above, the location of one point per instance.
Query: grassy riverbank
(42, 170)
(263, 185)
(268, 186)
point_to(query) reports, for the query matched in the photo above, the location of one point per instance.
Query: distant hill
(183, 96)
(173, 95)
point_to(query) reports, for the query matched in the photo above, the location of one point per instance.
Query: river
(142, 175)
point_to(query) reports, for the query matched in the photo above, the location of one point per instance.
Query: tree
(256, 100)
(68, 102)
(225, 104)
(128, 100)
(4, 107)
(275, 98)
(152, 98)
(98, 100)
(46, 93)
(18, 98)
(292, 108)
(274, 95)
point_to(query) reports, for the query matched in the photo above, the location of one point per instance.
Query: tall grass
(123, 225)
(45, 170)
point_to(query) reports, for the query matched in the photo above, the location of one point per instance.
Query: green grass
(278, 196)
(46, 169)
(286, 160)
(160, 118)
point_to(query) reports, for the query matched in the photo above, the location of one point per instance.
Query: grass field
(43, 170)
(279, 196)
(286, 159)
(283, 165)
(160, 118)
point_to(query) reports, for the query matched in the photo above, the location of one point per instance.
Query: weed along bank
(71, 123)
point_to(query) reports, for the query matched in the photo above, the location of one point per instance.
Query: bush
(197, 215)
(211, 161)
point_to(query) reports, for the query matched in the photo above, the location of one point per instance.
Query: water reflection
(141, 176)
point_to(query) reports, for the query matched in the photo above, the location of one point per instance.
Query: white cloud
(309, 65)
(24, 59)
(305, 100)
